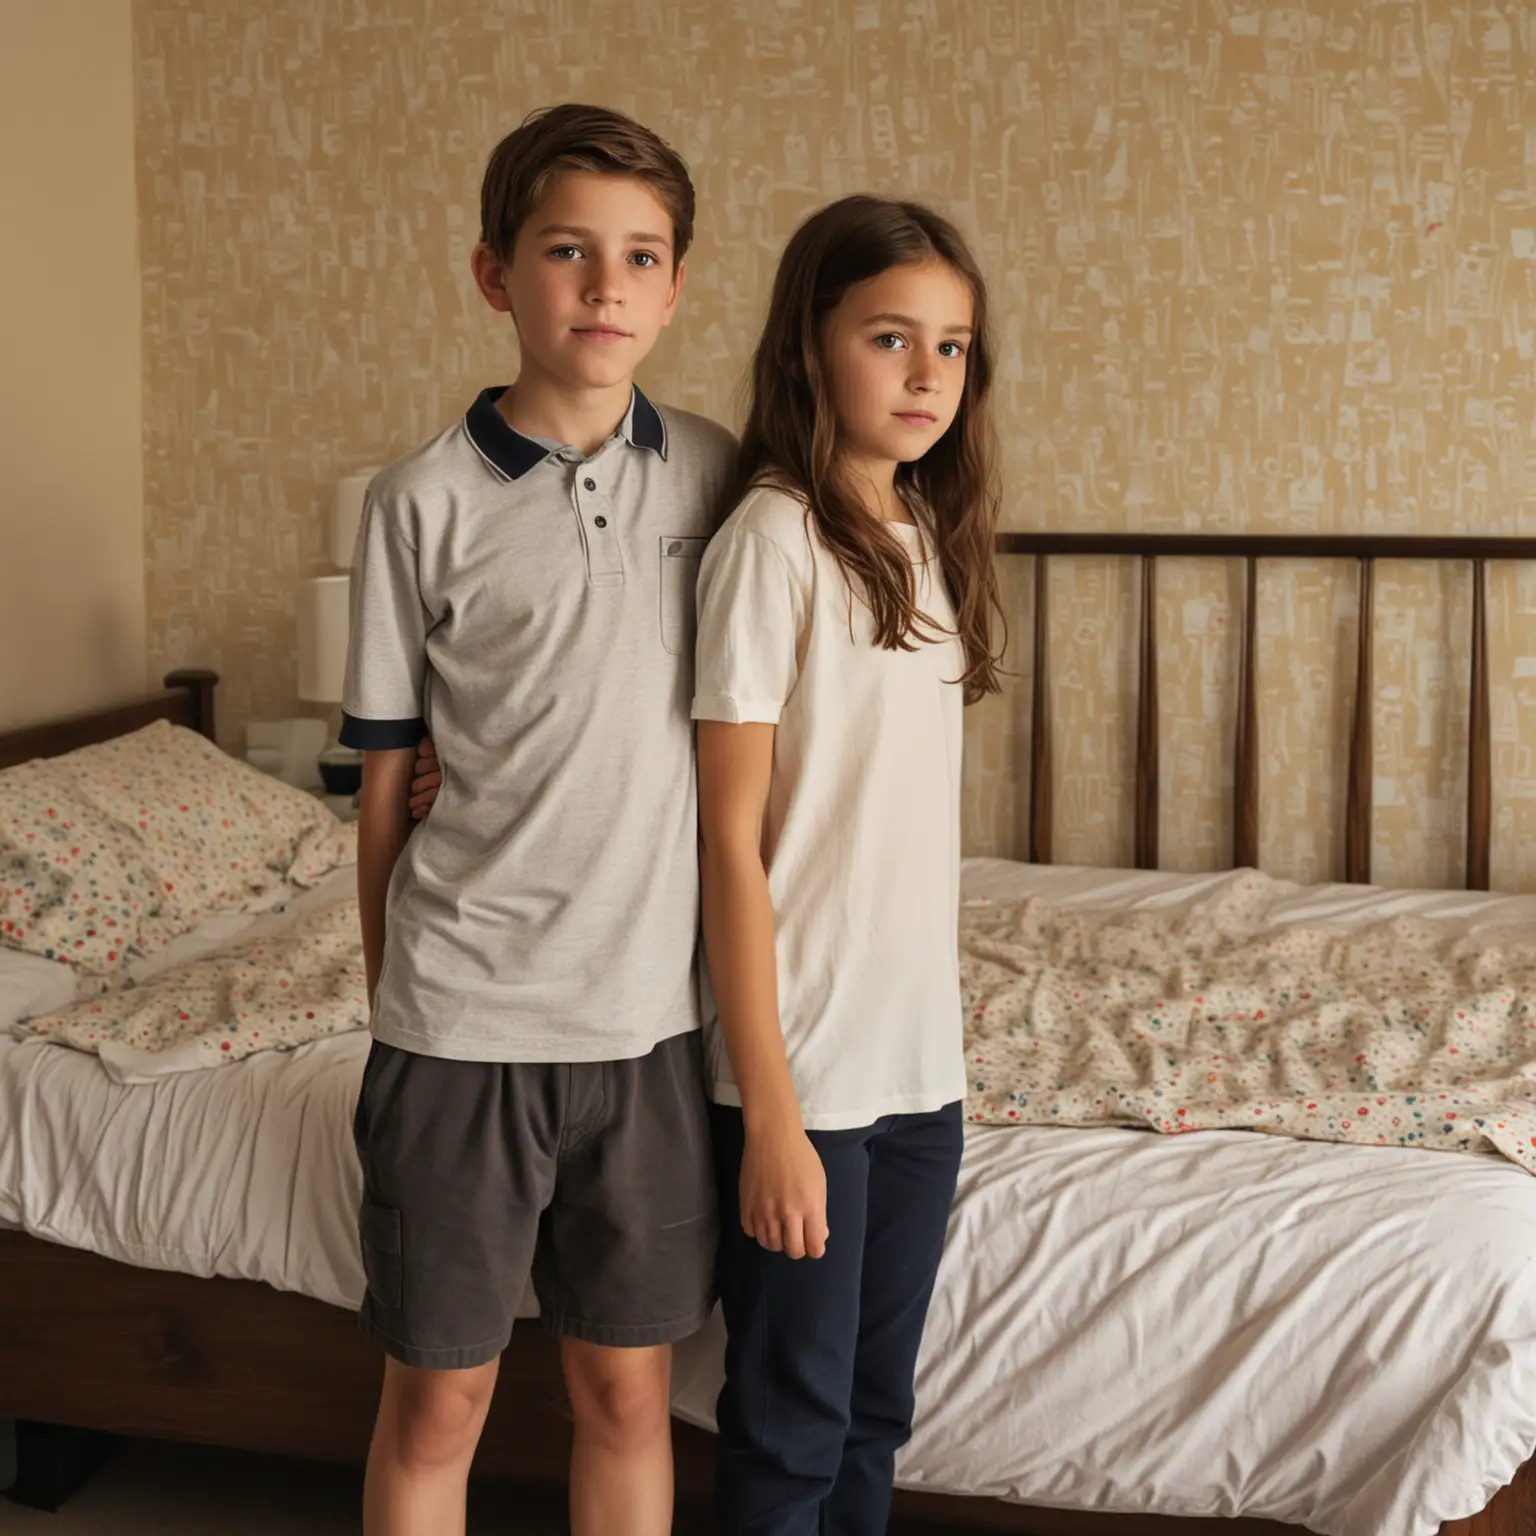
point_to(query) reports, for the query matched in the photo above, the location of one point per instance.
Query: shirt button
(590, 483)
(602, 522)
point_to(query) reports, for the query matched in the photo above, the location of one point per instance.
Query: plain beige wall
(71, 413)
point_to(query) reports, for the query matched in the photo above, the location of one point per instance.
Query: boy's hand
(426, 779)
(784, 1191)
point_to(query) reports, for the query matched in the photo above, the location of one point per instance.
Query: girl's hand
(426, 779)
(784, 1191)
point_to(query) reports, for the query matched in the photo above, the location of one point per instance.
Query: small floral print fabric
(1403, 1033)
(114, 850)
(73, 886)
(215, 832)
(267, 994)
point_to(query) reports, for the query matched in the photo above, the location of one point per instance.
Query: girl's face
(895, 350)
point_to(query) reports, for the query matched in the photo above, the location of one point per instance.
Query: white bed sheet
(245, 1171)
(1215, 1324)
(1224, 1323)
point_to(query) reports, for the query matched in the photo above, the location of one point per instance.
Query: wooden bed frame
(90, 1342)
(1367, 549)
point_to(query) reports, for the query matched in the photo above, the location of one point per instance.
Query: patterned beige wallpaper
(1256, 268)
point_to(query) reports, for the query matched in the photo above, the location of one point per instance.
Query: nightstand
(342, 807)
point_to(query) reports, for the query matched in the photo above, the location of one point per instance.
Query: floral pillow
(215, 832)
(126, 844)
(75, 886)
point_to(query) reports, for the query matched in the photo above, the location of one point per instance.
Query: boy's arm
(383, 825)
(783, 1183)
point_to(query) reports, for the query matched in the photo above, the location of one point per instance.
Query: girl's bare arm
(783, 1184)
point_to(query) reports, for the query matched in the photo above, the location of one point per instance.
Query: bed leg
(53, 1462)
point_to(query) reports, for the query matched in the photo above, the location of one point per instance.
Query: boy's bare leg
(423, 1442)
(621, 1463)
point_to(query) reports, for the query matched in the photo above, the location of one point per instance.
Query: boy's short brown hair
(572, 137)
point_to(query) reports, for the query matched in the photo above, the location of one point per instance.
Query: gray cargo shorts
(595, 1177)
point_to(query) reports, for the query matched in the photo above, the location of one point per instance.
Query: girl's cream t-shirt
(862, 827)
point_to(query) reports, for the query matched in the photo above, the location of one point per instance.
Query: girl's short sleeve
(751, 613)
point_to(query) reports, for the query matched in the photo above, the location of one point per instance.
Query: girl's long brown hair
(790, 438)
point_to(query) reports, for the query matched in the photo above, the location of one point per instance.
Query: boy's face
(591, 282)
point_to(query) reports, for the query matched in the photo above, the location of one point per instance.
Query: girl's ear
(807, 360)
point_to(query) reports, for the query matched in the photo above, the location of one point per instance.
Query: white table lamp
(323, 628)
(347, 514)
(324, 624)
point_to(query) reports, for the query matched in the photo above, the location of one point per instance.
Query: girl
(845, 612)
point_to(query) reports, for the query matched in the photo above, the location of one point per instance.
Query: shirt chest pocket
(680, 559)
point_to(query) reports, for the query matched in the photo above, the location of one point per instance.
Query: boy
(533, 1099)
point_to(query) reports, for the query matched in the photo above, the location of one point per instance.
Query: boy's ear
(490, 277)
(677, 291)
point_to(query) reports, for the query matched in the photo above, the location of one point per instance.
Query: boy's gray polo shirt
(535, 612)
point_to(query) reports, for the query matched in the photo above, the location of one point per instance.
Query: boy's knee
(620, 1398)
(438, 1416)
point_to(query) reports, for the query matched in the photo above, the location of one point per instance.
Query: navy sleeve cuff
(380, 735)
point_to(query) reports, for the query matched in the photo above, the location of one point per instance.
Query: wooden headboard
(187, 700)
(1251, 548)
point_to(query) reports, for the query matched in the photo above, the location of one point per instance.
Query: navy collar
(512, 455)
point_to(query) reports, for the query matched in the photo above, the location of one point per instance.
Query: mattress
(245, 1171)
(1212, 1324)
(1223, 1324)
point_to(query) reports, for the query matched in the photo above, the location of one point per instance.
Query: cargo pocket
(380, 1229)
(679, 583)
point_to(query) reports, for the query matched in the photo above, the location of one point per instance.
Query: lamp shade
(323, 628)
(346, 514)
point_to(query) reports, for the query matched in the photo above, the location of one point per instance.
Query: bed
(1130, 1332)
